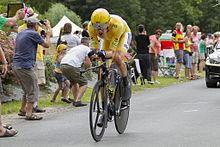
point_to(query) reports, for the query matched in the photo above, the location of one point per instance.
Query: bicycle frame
(111, 94)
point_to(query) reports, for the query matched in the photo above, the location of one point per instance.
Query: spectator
(78, 34)
(142, 42)
(39, 67)
(26, 50)
(70, 67)
(202, 46)
(215, 40)
(14, 31)
(209, 40)
(60, 34)
(71, 40)
(6, 131)
(177, 39)
(155, 48)
(85, 30)
(187, 54)
(195, 51)
(189, 27)
(63, 83)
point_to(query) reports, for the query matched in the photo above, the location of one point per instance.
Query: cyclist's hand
(91, 53)
(101, 54)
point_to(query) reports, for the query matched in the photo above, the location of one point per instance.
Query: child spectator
(14, 31)
(63, 83)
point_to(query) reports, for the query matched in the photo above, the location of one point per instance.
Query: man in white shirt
(70, 67)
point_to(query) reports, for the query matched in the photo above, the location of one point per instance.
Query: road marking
(195, 103)
(190, 111)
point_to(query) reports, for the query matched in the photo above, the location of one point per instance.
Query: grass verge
(14, 106)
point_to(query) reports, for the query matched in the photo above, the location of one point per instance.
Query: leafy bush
(7, 44)
(49, 69)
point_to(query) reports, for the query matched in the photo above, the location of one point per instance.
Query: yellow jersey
(114, 36)
(39, 56)
(178, 36)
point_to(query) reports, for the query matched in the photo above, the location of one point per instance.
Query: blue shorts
(188, 61)
(60, 77)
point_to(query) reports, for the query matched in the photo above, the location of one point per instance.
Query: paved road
(185, 115)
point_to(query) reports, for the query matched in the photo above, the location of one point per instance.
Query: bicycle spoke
(95, 113)
(96, 101)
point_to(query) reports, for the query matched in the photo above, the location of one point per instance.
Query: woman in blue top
(63, 83)
(202, 47)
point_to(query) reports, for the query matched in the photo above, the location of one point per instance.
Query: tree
(57, 11)
(209, 22)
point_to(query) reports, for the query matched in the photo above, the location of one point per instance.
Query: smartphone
(13, 8)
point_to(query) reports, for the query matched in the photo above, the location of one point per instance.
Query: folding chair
(167, 64)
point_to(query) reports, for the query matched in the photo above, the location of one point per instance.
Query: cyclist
(116, 36)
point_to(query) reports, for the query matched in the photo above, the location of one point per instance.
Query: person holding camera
(7, 131)
(24, 60)
(39, 67)
(70, 67)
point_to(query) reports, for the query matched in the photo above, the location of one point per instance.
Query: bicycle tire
(95, 107)
(121, 119)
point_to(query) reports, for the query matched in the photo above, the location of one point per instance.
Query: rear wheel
(96, 111)
(121, 116)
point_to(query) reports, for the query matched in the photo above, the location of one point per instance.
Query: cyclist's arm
(94, 42)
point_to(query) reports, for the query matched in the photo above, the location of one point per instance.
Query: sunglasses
(100, 26)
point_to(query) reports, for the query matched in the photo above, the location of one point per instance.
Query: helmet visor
(100, 26)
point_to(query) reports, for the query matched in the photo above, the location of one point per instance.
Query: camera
(42, 21)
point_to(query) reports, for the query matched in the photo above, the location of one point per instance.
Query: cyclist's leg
(105, 47)
(118, 57)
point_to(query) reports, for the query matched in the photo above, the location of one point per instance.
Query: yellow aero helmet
(100, 18)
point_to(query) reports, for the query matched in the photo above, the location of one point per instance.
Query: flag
(26, 12)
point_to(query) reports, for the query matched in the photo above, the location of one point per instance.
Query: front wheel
(121, 114)
(96, 110)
